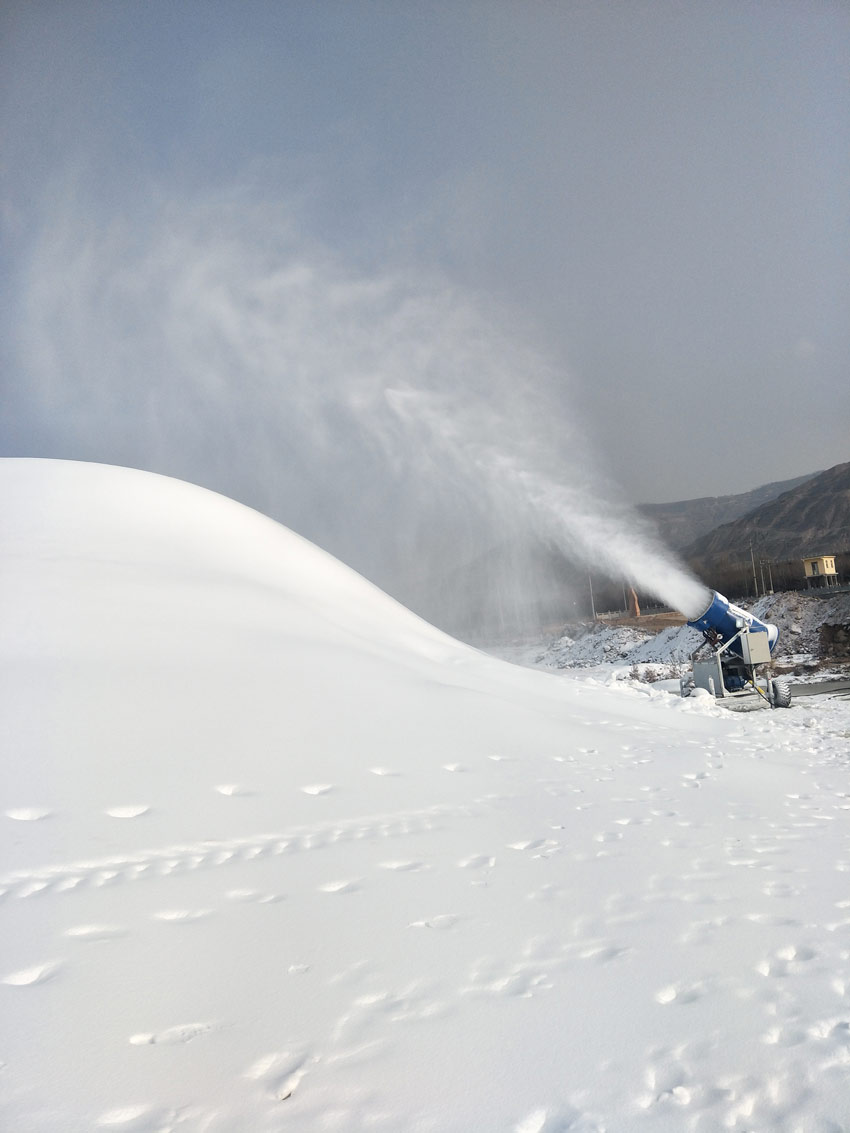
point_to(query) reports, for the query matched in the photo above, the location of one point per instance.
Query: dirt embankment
(648, 623)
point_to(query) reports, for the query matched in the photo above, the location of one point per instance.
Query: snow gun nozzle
(727, 622)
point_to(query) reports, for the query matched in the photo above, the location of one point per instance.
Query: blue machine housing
(726, 621)
(736, 645)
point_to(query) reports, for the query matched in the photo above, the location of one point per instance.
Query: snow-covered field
(277, 855)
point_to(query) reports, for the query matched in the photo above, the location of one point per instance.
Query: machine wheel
(781, 689)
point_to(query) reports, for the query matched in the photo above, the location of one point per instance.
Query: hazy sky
(632, 216)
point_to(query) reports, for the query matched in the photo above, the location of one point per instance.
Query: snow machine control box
(755, 649)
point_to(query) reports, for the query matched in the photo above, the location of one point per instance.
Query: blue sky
(641, 207)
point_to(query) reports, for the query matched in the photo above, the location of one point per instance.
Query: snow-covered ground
(277, 855)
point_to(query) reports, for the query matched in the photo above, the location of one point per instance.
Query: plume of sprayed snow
(382, 414)
(568, 508)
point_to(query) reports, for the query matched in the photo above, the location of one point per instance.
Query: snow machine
(736, 644)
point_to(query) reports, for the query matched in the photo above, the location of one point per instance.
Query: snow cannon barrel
(727, 621)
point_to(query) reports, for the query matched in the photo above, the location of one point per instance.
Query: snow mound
(91, 534)
(276, 855)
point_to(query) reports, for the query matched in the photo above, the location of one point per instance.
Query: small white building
(820, 571)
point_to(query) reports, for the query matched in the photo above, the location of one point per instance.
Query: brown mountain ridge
(684, 521)
(812, 518)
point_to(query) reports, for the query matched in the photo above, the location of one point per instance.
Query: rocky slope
(811, 630)
(683, 521)
(811, 519)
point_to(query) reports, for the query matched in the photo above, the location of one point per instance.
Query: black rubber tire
(781, 692)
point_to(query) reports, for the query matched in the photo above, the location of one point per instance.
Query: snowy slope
(277, 855)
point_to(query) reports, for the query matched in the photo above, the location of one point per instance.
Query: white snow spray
(385, 415)
(574, 513)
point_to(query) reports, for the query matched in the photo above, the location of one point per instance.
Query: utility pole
(592, 604)
(753, 561)
(770, 575)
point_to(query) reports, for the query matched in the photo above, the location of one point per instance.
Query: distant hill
(812, 518)
(680, 524)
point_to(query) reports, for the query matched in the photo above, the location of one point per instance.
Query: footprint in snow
(477, 861)
(784, 1035)
(681, 993)
(318, 789)
(29, 977)
(234, 790)
(30, 889)
(106, 877)
(182, 1033)
(667, 1080)
(785, 961)
(443, 921)
(136, 1119)
(339, 887)
(252, 895)
(181, 916)
(599, 951)
(28, 814)
(553, 1121)
(280, 1073)
(95, 932)
(780, 889)
(127, 811)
